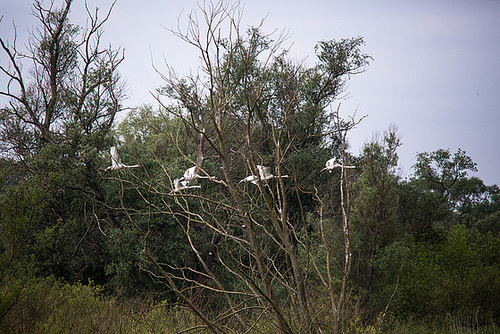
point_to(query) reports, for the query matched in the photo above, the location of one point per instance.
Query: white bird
(332, 164)
(116, 162)
(190, 174)
(264, 175)
(182, 185)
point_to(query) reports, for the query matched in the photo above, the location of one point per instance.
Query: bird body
(332, 164)
(264, 173)
(190, 174)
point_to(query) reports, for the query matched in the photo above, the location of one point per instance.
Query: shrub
(49, 306)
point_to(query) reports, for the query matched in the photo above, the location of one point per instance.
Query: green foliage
(441, 172)
(28, 226)
(379, 239)
(48, 306)
(451, 323)
(441, 195)
(461, 274)
(423, 211)
(52, 136)
(490, 223)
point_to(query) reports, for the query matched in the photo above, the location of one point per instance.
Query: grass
(449, 324)
(49, 306)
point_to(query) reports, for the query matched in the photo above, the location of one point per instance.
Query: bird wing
(177, 185)
(248, 179)
(115, 158)
(190, 174)
(264, 172)
(330, 163)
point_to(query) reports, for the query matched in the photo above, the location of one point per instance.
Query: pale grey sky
(435, 72)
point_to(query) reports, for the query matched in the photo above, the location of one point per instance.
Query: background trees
(64, 93)
(449, 250)
(381, 240)
(71, 89)
(456, 276)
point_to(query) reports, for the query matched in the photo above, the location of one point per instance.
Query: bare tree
(244, 113)
(71, 85)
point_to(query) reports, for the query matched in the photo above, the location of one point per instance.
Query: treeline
(231, 215)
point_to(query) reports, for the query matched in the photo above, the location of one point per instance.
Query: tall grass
(449, 324)
(37, 306)
(49, 306)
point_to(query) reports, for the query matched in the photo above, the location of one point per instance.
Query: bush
(48, 306)
(461, 275)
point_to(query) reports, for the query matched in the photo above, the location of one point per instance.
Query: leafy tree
(147, 137)
(459, 275)
(72, 88)
(477, 204)
(442, 173)
(378, 232)
(430, 198)
(64, 93)
(451, 259)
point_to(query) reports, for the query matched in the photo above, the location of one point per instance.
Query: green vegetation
(259, 239)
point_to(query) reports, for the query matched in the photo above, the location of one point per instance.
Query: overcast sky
(435, 72)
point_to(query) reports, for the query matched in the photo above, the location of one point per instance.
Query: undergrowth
(49, 306)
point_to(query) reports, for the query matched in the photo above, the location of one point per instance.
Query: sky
(435, 72)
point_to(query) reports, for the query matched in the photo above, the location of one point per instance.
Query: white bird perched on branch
(116, 162)
(332, 164)
(264, 175)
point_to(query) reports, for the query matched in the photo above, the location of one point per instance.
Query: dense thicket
(258, 237)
